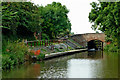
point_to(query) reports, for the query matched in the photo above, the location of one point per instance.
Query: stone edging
(58, 54)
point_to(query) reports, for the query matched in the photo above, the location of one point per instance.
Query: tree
(27, 19)
(21, 17)
(55, 20)
(106, 17)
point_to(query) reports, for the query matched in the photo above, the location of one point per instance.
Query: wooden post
(58, 41)
(31, 44)
(47, 42)
(27, 44)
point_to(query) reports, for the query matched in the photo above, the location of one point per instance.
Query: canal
(80, 65)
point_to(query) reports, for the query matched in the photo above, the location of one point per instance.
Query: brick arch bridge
(83, 39)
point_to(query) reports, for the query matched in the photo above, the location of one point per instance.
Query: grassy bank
(15, 53)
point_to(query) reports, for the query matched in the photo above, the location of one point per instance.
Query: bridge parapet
(82, 39)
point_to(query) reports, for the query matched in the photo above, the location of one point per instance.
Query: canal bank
(58, 54)
(86, 64)
(55, 50)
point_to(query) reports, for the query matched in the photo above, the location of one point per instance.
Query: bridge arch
(95, 44)
(96, 39)
(83, 39)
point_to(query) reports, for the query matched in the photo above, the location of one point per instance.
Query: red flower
(108, 43)
(37, 52)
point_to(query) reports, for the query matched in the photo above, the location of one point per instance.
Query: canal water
(79, 65)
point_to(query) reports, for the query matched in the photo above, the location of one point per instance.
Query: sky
(78, 13)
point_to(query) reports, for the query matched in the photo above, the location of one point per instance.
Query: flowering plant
(38, 55)
(37, 52)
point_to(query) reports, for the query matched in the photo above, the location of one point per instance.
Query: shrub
(111, 47)
(45, 36)
(38, 54)
(7, 62)
(14, 54)
(41, 56)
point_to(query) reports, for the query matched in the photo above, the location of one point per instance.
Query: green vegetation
(57, 50)
(43, 50)
(13, 54)
(41, 56)
(106, 17)
(69, 48)
(20, 19)
(25, 20)
(111, 48)
(55, 20)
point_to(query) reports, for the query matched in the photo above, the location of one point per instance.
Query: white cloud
(78, 15)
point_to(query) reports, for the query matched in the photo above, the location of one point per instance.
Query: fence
(43, 42)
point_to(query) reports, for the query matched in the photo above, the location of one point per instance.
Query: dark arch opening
(95, 45)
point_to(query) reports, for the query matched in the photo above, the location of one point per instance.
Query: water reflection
(79, 68)
(80, 65)
(95, 54)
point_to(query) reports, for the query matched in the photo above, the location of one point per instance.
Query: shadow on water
(95, 45)
(96, 64)
(95, 54)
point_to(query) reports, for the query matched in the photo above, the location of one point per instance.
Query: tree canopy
(20, 15)
(56, 22)
(23, 18)
(105, 17)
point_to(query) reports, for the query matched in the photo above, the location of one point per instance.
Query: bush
(41, 56)
(7, 62)
(45, 36)
(38, 54)
(111, 47)
(14, 54)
